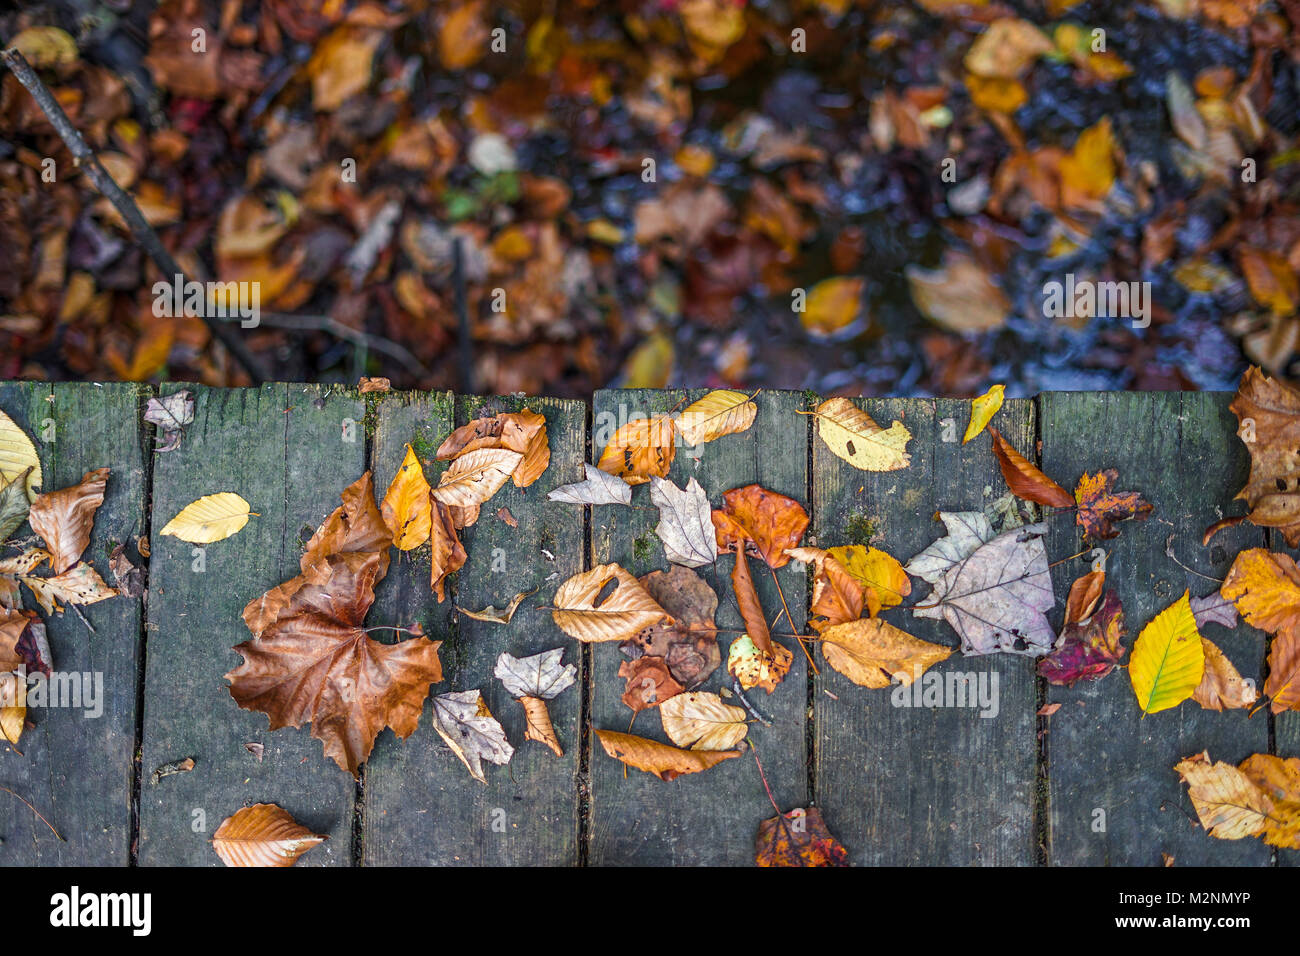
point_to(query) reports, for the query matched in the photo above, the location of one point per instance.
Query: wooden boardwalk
(896, 785)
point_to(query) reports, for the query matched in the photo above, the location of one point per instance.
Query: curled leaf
(665, 762)
(464, 722)
(65, 518)
(871, 652)
(263, 835)
(641, 449)
(1024, 479)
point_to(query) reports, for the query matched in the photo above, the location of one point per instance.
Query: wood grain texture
(1181, 451)
(422, 806)
(709, 818)
(74, 768)
(283, 448)
(924, 785)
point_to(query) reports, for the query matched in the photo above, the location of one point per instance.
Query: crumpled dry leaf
(1100, 507)
(448, 554)
(23, 642)
(701, 721)
(537, 724)
(1085, 594)
(210, 518)
(854, 436)
(1265, 586)
(766, 522)
(599, 488)
(649, 682)
(665, 762)
(128, 578)
(721, 412)
(311, 660)
(1222, 686)
(581, 613)
(798, 838)
(1168, 659)
(883, 579)
(837, 596)
(523, 432)
(1269, 414)
(685, 526)
(355, 526)
(65, 518)
(17, 454)
(463, 720)
(1024, 479)
(871, 653)
(263, 835)
(1088, 649)
(687, 639)
(80, 585)
(495, 615)
(996, 596)
(642, 448)
(170, 415)
(755, 668)
(407, 507)
(13, 504)
(1229, 804)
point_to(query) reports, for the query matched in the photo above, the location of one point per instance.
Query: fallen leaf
(128, 578)
(854, 436)
(171, 769)
(1085, 593)
(996, 596)
(210, 518)
(1006, 49)
(649, 682)
(1272, 279)
(311, 660)
(541, 675)
(448, 555)
(170, 415)
(1268, 411)
(17, 455)
(463, 720)
(641, 449)
(80, 585)
(687, 639)
(406, 507)
(665, 762)
(1100, 507)
(13, 715)
(871, 653)
(837, 596)
(476, 476)
(1278, 779)
(537, 724)
(771, 523)
(1168, 659)
(883, 579)
(263, 835)
(798, 838)
(580, 612)
(1222, 687)
(46, 47)
(1024, 479)
(701, 721)
(982, 410)
(65, 518)
(367, 385)
(1088, 170)
(959, 296)
(504, 514)
(755, 668)
(833, 304)
(721, 412)
(463, 36)
(1214, 608)
(495, 615)
(355, 526)
(751, 609)
(13, 504)
(1265, 586)
(340, 66)
(685, 526)
(1087, 649)
(599, 488)
(1228, 803)
(966, 531)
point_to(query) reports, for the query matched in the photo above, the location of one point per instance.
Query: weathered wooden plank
(289, 450)
(1114, 795)
(708, 818)
(422, 806)
(76, 768)
(908, 785)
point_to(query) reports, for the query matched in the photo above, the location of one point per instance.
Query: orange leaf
(1024, 479)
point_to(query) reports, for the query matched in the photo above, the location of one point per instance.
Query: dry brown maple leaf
(798, 838)
(1265, 586)
(665, 762)
(263, 835)
(64, 518)
(641, 449)
(1268, 411)
(1100, 506)
(312, 661)
(768, 522)
(1024, 479)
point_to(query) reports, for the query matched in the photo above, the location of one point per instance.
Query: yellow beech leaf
(881, 576)
(851, 434)
(263, 835)
(623, 612)
(832, 304)
(17, 454)
(1229, 804)
(665, 762)
(701, 721)
(721, 412)
(13, 715)
(641, 449)
(407, 508)
(476, 476)
(982, 410)
(1168, 659)
(211, 518)
(871, 652)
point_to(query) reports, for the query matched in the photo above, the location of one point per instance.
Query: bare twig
(56, 833)
(323, 323)
(141, 231)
